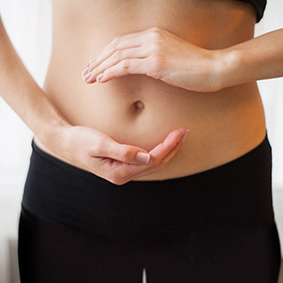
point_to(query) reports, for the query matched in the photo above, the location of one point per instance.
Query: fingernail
(179, 136)
(142, 157)
(99, 78)
(87, 77)
(84, 72)
(186, 135)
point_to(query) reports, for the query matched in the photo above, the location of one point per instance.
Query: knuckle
(155, 33)
(114, 43)
(117, 55)
(126, 64)
(124, 153)
(97, 146)
(116, 39)
(109, 72)
(155, 29)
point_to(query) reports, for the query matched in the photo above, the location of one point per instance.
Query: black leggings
(214, 226)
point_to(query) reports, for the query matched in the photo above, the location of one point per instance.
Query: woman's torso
(223, 125)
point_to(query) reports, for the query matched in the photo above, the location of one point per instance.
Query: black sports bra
(259, 7)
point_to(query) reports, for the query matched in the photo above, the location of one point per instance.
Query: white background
(28, 23)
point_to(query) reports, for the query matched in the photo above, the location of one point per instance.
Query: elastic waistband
(235, 195)
(233, 165)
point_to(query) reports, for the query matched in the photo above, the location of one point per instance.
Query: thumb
(124, 153)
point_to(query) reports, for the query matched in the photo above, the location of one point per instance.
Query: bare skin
(157, 68)
(140, 109)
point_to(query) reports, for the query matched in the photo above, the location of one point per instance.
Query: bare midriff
(139, 110)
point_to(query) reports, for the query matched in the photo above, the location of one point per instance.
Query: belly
(141, 111)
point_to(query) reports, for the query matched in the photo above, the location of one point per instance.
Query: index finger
(170, 142)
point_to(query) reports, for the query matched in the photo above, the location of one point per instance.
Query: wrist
(226, 68)
(56, 137)
(51, 132)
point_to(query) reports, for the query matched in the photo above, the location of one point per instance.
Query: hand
(157, 54)
(96, 152)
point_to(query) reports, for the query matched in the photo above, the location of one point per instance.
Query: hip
(231, 197)
(208, 225)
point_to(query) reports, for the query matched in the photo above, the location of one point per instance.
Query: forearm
(256, 59)
(24, 96)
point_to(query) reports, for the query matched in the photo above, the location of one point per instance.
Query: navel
(138, 105)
